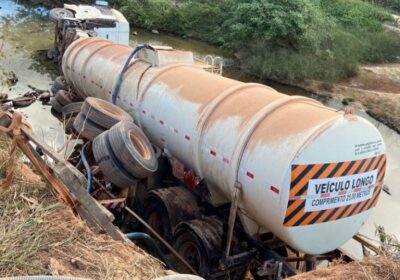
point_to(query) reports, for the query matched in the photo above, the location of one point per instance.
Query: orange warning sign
(326, 192)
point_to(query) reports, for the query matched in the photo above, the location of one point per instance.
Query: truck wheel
(55, 105)
(190, 247)
(135, 201)
(199, 242)
(104, 113)
(133, 149)
(59, 83)
(57, 14)
(86, 128)
(156, 216)
(52, 54)
(108, 163)
(71, 109)
(62, 97)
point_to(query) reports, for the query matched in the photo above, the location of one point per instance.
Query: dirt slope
(374, 268)
(39, 235)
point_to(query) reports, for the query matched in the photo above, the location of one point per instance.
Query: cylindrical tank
(308, 173)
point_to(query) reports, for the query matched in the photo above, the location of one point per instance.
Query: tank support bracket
(232, 218)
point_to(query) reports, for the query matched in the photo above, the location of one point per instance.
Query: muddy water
(27, 33)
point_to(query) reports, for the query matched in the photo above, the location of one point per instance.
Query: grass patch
(41, 236)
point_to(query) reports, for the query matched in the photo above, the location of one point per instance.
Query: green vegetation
(280, 39)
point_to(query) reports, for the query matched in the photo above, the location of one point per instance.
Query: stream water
(26, 34)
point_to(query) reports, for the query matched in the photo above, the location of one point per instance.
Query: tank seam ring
(210, 108)
(140, 94)
(75, 56)
(85, 61)
(321, 129)
(73, 47)
(137, 92)
(245, 136)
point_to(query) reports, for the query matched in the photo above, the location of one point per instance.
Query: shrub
(280, 39)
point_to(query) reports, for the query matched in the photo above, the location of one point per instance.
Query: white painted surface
(180, 109)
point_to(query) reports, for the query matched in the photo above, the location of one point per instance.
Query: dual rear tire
(124, 154)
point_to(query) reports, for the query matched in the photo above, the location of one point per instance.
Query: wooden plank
(375, 248)
(69, 182)
(96, 211)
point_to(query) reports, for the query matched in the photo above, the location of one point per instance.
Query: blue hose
(88, 170)
(151, 244)
(121, 75)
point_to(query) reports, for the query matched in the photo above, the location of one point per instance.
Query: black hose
(151, 244)
(121, 75)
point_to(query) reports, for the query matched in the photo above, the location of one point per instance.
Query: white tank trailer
(309, 174)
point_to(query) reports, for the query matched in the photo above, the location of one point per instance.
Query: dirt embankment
(373, 268)
(40, 236)
(375, 88)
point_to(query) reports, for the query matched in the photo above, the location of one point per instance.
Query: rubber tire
(50, 54)
(75, 97)
(86, 128)
(190, 236)
(55, 105)
(63, 97)
(72, 109)
(135, 200)
(59, 83)
(155, 206)
(108, 164)
(104, 113)
(127, 152)
(57, 14)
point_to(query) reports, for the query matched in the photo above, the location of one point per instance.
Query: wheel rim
(191, 253)
(61, 13)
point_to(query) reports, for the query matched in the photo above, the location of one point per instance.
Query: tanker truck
(246, 175)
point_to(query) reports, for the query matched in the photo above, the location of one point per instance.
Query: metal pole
(232, 217)
(165, 243)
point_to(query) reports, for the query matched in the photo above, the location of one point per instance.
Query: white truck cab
(106, 22)
(112, 25)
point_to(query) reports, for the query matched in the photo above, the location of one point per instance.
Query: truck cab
(108, 23)
(79, 21)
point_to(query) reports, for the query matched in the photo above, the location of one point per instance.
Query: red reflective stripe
(275, 190)
(250, 175)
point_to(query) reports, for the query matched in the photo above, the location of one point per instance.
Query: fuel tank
(309, 174)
